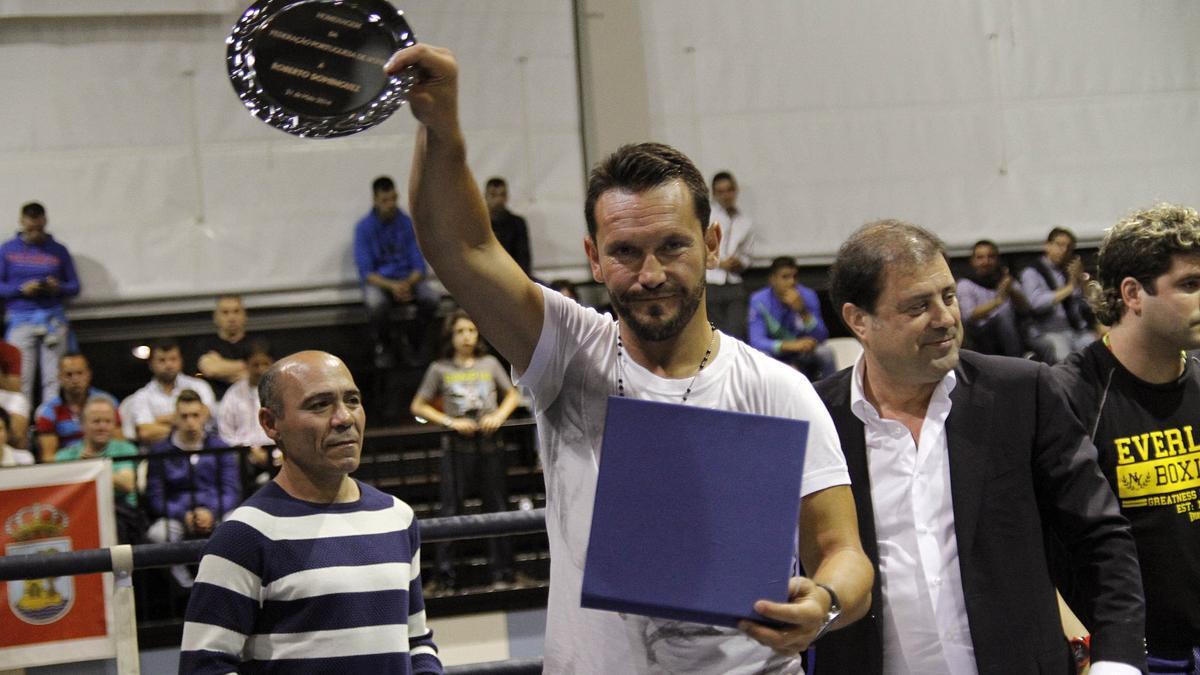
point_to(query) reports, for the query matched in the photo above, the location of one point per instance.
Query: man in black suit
(961, 464)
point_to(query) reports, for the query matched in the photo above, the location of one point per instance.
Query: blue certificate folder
(695, 514)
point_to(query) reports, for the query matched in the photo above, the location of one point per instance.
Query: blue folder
(695, 514)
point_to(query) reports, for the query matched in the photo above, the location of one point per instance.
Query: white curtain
(163, 186)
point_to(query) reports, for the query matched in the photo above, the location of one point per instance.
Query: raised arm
(451, 220)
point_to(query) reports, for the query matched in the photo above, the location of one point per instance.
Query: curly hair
(1140, 247)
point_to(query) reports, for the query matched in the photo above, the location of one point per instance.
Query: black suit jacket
(1020, 465)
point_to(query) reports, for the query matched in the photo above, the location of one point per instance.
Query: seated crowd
(1040, 313)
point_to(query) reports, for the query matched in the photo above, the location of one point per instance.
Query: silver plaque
(314, 68)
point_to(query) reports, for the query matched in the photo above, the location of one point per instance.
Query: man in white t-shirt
(649, 243)
(148, 414)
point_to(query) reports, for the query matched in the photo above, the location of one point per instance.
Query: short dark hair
(723, 175)
(561, 285)
(782, 262)
(1141, 246)
(382, 184)
(188, 396)
(448, 334)
(641, 167)
(163, 345)
(72, 354)
(33, 210)
(259, 346)
(1057, 230)
(268, 389)
(863, 261)
(495, 181)
(984, 242)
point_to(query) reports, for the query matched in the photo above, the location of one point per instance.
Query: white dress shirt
(737, 237)
(924, 617)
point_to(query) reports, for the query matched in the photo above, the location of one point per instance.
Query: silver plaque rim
(239, 60)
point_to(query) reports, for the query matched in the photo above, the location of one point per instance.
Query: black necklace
(712, 341)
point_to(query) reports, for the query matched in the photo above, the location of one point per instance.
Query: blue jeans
(42, 337)
(379, 302)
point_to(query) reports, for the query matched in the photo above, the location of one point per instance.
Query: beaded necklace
(712, 341)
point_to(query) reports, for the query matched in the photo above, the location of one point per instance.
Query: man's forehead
(308, 378)
(916, 280)
(627, 211)
(1184, 264)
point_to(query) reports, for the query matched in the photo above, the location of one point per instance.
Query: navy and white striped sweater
(287, 586)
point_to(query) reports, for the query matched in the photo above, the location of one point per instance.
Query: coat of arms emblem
(39, 529)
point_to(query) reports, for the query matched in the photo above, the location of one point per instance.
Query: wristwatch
(835, 610)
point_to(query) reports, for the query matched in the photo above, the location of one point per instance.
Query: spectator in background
(222, 359)
(36, 276)
(566, 287)
(99, 439)
(238, 420)
(10, 456)
(1060, 321)
(58, 420)
(392, 272)
(989, 299)
(509, 228)
(188, 496)
(149, 413)
(785, 322)
(469, 381)
(17, 407)
(726, 294)
(10, 367)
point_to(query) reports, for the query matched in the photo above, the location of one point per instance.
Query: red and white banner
(53, 508)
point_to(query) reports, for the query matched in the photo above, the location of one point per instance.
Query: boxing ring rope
(122, 560)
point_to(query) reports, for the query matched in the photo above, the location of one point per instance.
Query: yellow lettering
(1174, 442)
(1191, 443)
(1156, 439)
(1123, 456)
(1142, 445)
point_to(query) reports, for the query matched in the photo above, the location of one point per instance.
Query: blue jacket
(388, 249)
(771, 322)
(21, 262)
(183, 481)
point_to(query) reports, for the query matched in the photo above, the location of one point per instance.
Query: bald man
(316, 571)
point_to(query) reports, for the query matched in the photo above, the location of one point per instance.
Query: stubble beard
(661, 330)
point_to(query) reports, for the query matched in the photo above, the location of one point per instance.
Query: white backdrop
(975, 118)
(162, 185)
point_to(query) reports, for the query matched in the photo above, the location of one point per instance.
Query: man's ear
(712, 245)
(855, 319)
(1131, 294)
(593, 256)
(268, 421)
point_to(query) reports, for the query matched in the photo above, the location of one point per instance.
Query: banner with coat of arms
(52, 508)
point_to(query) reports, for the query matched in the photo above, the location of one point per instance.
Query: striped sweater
(287, 586)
